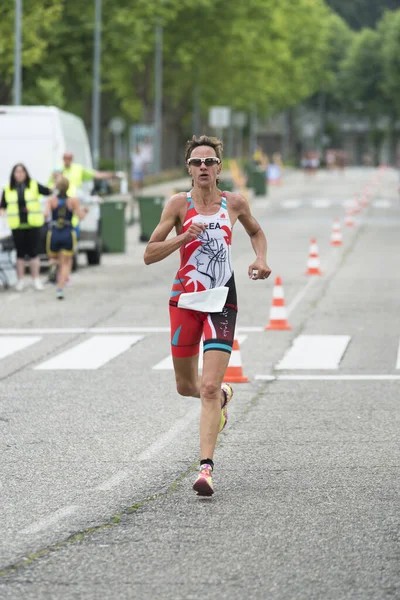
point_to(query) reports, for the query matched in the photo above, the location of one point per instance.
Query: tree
(362, 13)
(37, 24)
(389, 30)
(362, 82)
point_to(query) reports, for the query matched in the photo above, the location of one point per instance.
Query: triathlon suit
(205, 264)
(61, 237)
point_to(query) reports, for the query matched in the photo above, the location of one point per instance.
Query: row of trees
(259, 54)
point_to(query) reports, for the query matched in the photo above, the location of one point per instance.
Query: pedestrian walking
(61, 237)
(203, 303)
(21, 203)
(139, 162)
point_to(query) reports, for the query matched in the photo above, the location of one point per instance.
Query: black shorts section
(61, 239)
(231, 299)
(26, 242)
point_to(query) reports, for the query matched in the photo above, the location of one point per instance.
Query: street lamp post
(96, 85)
(17, 90)
(158, 82)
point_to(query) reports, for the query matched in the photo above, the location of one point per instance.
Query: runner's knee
(209, 390)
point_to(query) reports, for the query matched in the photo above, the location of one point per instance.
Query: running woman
(203, 301)
(61, 237)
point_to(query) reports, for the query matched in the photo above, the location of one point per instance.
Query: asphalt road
(98, 452)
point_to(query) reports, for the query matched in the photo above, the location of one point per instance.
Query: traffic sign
(219, 117)
(117, 125)
(239, 119)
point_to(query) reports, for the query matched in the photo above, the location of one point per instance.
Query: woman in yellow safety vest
(21, 203)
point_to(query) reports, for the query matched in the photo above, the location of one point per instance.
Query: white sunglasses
(209, 162)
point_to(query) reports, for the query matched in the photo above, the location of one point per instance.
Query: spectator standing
(21, 203)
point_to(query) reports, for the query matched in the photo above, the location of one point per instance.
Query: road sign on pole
(219, 117)
(117, 125)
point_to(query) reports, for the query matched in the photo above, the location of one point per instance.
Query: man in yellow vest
(77, 174)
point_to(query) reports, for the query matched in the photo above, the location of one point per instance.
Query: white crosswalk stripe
(90, 354)
(322, 203)
(398, 358)
(307, 352)
(10, 344)
(167, 364)
(315, 352)
(326, 203)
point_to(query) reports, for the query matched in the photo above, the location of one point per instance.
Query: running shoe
(60, 294)
(203, 484)
(37, 284)
(228, 393)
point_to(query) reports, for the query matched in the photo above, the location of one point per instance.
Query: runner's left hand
(259, 270)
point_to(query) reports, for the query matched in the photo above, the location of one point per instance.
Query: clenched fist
(194, 231)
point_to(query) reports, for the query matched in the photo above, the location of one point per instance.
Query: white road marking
(315, 352)
(13, 297)
(50, 520)
(104, 330)
(289, 204)
(321, 203)
(299, 297)
(328, 377)
(180, 425)
(166, 364)
(10, 345)
(382, 204)
(113, 481)
(75, 330)
(91, 354)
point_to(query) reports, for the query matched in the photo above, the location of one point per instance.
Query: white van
(38, 136)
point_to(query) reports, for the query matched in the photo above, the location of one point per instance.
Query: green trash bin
(226, 185)
(113, 229)
(259, 182)
(150, 208)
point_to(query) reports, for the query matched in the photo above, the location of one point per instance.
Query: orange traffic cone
(278, 314)
(234, 371)
(313, 260)
(356, 206)
(336, 236)
(349, 219)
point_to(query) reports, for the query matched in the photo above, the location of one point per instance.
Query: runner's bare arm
(259, 268)
(49, 206)
(76, 207)
(159, 247)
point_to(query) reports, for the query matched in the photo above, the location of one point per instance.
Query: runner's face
(203, 176)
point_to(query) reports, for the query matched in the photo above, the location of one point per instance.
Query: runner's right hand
(194, 231)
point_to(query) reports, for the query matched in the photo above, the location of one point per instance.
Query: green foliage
(362, 74)
(362, 13)
(39, 19)
(389, 30)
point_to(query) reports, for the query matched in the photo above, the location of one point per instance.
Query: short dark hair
(204, 140)
(13, 182)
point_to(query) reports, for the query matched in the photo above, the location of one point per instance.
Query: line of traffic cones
(278, 317)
